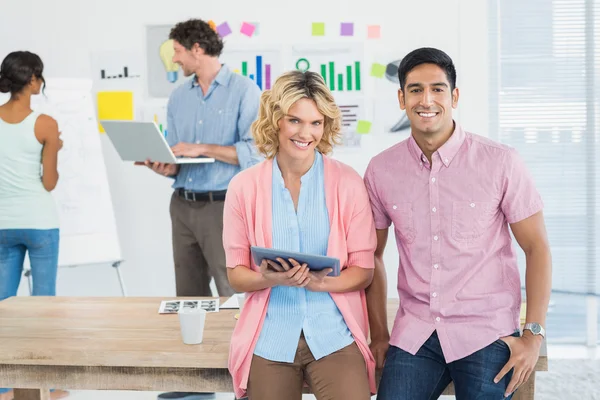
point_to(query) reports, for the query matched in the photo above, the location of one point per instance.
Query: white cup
(241, 298)
(191, 322)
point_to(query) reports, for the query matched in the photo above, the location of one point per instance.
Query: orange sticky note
(212, 24)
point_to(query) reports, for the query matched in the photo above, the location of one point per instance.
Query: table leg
(525, 392)
(32, 394)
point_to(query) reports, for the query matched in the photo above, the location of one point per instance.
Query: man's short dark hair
(427, 55)
(197, 31)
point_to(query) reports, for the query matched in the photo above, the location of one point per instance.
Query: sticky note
(115, 105)
(363, 127)
(212, 25)
(318, 29)
(347, 29)
(256, 26)
(373, 32)
(247, 29)
(223, 29)
(378, 70)
(523, 315)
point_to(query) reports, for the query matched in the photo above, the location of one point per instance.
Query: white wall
(65, 32)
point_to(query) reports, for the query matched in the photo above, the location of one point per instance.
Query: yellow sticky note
(318, 29)
(377, 70)
(523, 315)
(363, 127)
(115, 105)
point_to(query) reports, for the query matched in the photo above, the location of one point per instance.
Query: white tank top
(24, 203)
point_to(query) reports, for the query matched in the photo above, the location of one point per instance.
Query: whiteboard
(88, 231)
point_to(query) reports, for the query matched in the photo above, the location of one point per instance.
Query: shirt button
(434, 294)
(197, 142)
(434, 209)
(189, 180)
(437, 319)
(446, 160)
(394, 206)
(472, 204)
(436, 266)
(200, 122)
(435, 238)
(432, 179)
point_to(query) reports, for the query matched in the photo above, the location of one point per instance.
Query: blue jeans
(425, 375)
(42, 246)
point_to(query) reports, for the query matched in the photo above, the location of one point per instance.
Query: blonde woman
(300, 326)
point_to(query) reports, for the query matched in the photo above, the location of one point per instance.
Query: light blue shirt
(292, 310)
(223, 116)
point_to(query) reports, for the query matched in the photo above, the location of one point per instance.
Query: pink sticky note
(223, 29)
(347, 29)
(247, 29)
(373, 31)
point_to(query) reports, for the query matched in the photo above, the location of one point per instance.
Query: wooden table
(88, 343)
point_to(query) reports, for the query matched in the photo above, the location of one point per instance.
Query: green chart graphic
(348, 82)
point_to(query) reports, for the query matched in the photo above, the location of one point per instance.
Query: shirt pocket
(225, 121)
(402, 216)
(470, 219)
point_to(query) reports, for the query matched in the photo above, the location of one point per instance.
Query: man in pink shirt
(452, 196)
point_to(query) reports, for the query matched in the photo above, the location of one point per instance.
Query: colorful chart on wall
(342, 68)
(261, 64)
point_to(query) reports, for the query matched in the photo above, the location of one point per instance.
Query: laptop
(141, 141)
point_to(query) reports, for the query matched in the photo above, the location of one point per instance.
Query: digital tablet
(314, 262)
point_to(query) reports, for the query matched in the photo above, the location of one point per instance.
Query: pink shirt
(458, 270)
(247, 222)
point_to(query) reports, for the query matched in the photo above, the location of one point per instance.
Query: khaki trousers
(339, 376)
(198, 247)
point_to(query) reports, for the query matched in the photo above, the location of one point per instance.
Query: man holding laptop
(208, 116)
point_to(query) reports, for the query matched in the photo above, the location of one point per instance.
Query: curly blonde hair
(275, 103)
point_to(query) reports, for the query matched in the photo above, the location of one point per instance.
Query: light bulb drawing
(167, 52)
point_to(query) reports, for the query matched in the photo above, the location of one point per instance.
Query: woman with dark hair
(29, 145)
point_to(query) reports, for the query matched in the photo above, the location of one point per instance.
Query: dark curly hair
(17, 70)
(197, 31)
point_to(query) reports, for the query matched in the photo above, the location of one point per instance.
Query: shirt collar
(304, 178)
(223, 77)
(448, 150)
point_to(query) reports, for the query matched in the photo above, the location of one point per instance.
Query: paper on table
(173, 306)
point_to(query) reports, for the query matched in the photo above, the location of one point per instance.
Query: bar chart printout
(124, 73)
(340, 66)
(262, 67)
(344, 78)
(353, 111)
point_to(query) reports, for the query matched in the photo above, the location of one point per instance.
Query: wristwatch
(535, 328)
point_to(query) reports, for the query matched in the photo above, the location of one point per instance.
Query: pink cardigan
(352, 239)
